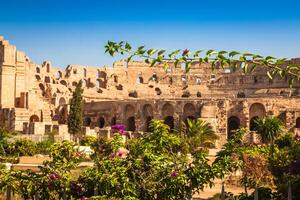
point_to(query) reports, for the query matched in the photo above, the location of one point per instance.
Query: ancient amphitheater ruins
(34, 97)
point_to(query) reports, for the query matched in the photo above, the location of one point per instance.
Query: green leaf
(253, 66)
(246, 68)
(269, 75)
(222, 52)
(233, 53)
(210, 52)
(151, 51)
(174, 53)
(129, 58)
(127, 46)
(196, 54)
(161, 52)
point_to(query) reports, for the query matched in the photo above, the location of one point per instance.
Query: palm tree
(268, 128)
(198, 133)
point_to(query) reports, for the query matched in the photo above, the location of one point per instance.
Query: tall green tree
(75, 114)
(268, 128)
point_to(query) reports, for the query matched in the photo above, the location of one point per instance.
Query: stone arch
(62, 116)
(169, 120)
(74, 83)
(252, 123)
(189, 111)
(130, 124)
(48, 67)
(297, 123)
(113, 120)
(47, 79)
(101, 74)
(37, 70)
(116, 78)
(139, 80)
(87, 121)
(233, 123)
(129, 116)
(167, 110)
(63, 82)
(62, 101)
(129, 110)
(147, 116)
(34, 118)
(58, 75)
(101, 122)
(100, 83)
(42, 87)
(257, 109)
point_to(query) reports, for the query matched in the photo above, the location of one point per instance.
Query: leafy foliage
(198, 133)
(247, 62)
(75, 114)
(268, 128)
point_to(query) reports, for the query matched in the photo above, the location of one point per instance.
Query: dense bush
(88, 140)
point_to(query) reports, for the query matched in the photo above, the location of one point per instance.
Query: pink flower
(174, 173)
(121, 153)
(118, 128)
(54, 176)
(83, 198)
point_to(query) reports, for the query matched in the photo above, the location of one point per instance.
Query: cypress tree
(75, 114)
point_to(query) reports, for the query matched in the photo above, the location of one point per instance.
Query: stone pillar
(7, 74)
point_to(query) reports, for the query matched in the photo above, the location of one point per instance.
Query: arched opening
(48, 67)
(257, 110)
(189, 111)
(130, 124)
(167, 110)
(62, 101)
(58, 75)
(34, 118)
(113, 120)
(115, 79)
(87, 121)
(74, 83)
(63, 82)
(101, 122)
(169, 120)
(240, 95)
(140, 80)
(42, 87)
(148, 116)
(62, 117)
(38, 77)
(84, 72)
(100, 84)
(101, 74)
(47, 79)
(298, 122)
(252, 123)
(233, 123)
(37, 70)
(147, 124)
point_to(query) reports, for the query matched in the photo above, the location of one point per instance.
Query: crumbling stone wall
(36, 96)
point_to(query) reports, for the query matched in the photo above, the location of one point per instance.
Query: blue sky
(74, 32)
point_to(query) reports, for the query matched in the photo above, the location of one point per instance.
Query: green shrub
(88, 140)
(44, 147)
(22, 147)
